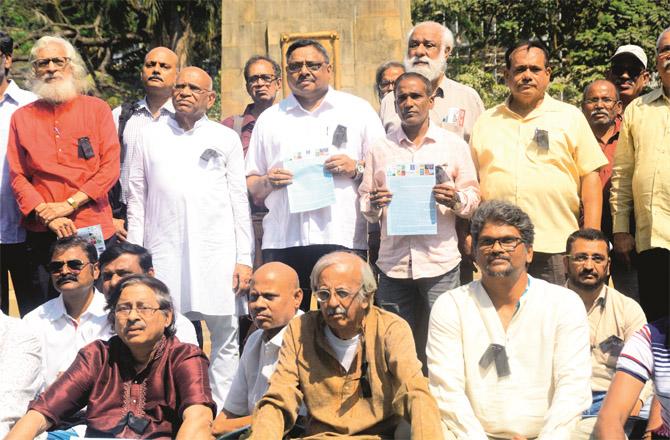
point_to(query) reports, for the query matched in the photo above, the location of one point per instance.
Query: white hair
(368, 282)
(79, 72)
(658, 41)
(447, 36)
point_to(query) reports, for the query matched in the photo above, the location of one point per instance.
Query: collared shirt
(646, 356)
(421, 256)
(612, 314)
(308, 371)
(247, 127)
(138, 122)
(20, 370)
(62, 336)
(252, 378)
(188, 206)
(608, 146)
(45, 163)
(542, 179)
(285, 129)
(456, 108)
(547, 345)
(641, 171)
(104, 379)
(10, 216)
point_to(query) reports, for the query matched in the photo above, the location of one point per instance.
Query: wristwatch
(72, 202)
(360, 167)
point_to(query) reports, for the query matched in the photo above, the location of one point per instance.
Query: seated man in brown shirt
(352, 364)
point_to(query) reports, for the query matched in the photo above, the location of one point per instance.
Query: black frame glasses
(507, 244)
(312, 66)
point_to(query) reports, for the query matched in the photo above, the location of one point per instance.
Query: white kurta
(547, 344)
(188, 206)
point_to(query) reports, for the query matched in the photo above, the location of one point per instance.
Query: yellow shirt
(642, 171)
(537, 162)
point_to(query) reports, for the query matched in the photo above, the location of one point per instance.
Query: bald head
(192, 96)
(601, 105)
(159, 71)
(274, 296)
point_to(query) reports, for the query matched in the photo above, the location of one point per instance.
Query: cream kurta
(547, 344)
(188, 205)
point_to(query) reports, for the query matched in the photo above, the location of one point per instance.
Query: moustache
(423, 59)
(339, 310)
(65, 278)
(498, 256)
(158, 77)
(599, 112)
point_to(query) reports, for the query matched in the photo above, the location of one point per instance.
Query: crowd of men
(123, 230)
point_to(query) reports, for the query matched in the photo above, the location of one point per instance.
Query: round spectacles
(323, 295)
(144, 311)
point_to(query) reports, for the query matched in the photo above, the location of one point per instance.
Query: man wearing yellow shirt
(541, 155)
(641, 174)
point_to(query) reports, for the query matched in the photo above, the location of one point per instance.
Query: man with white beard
(457, 106)
(63, 155)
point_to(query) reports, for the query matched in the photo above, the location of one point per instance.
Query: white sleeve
(137, 194)
(237, 400)
(373, 130)
(446, 371)
(256, 162)
(239, 201)
(185, 329)
(21, 377)
(572, 370)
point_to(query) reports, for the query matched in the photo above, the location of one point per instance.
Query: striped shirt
(137, 123)
(647, 356)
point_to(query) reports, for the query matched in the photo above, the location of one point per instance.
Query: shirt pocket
(68, 152)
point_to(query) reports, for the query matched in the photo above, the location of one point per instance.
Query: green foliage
(581, 36)
(114, 35)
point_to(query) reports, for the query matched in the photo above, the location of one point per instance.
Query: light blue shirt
(10, 216)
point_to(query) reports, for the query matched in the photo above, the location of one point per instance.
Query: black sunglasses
(73, 265)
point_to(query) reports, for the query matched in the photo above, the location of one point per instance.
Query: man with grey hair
(641, 177)
(351, 363)
(508, 355)
(457, 106)
(63, 156)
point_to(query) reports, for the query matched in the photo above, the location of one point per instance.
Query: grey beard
(63, 91)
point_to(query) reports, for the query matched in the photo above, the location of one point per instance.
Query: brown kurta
(308, 370)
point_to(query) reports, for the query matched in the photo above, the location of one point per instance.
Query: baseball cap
(634, 50)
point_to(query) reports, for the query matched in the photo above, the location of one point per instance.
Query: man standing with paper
(305, 161)
(419, 265)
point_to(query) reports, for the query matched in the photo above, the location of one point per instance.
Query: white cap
(634, 50)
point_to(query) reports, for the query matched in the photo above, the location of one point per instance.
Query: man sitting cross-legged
(274, 299)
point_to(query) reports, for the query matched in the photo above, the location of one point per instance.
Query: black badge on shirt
(84, 148)
(340, 136)
(209, 154)
(542, 138)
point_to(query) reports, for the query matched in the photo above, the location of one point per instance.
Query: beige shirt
(612, 314)
(456, 108)
(421, 256)
(641, 171)
(543, 180)
(309, 371)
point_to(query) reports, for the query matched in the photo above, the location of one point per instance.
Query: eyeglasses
(323, 295)
(384, 84)
(43, 63)
(124, 310)
(192, 87)
(583, 258)
(506, 243)
(312, 66)
(73, 265)
(632, 71)
(608, 102)
(265, 79)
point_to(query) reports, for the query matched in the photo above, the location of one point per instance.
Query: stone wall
(360, 34)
